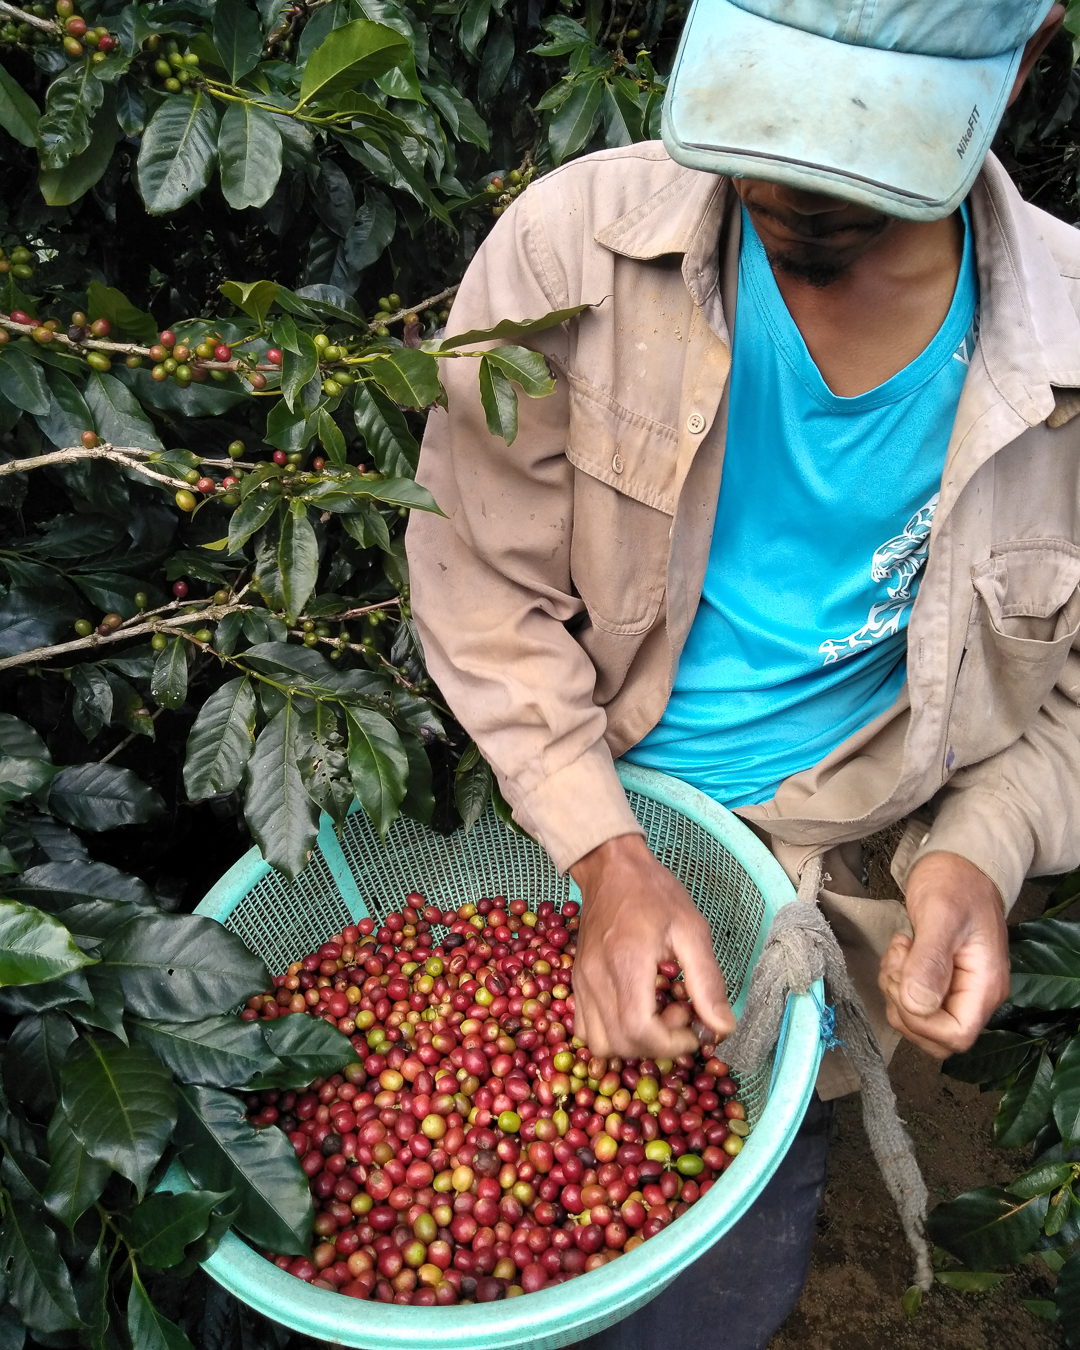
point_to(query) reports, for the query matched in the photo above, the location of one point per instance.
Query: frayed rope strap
(800, 949)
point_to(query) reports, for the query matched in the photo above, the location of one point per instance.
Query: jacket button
(617, 464)
(695, 424)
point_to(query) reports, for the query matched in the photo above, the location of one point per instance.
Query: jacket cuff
(578, 808)
(980, 827)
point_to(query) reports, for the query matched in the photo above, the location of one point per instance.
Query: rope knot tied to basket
(799, 950)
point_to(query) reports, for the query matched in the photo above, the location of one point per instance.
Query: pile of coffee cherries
(476, 1150)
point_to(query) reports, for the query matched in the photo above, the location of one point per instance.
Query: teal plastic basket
(738, 886)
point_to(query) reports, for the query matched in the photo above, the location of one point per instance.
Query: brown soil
(861, 1264)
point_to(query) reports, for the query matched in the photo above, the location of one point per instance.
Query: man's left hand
(941, 987)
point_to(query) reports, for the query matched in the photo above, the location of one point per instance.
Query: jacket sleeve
(491, 582)
(1015, 814)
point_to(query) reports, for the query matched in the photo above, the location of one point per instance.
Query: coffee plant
(230, 233)
(1031, 1054)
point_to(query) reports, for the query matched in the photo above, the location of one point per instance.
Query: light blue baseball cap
(889, 103)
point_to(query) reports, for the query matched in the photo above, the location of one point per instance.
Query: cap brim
(905, 134)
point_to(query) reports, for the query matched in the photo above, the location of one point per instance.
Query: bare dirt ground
(861, 1265)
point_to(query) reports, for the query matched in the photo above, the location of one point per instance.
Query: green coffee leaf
(969, 1281)
(324, 765)
(281, 816)
(995, 1056)
(499, 401)
(19, 114)
(409, 376)
(19, 739)
(65, 185)
(298, 559)
(169, 682)
(34, 947)
(164, 1224)
(34, 1054)
(75, 1179)
(38, 1283)
(1026, 1106)
(331, 439)
(118, 415)
(21, 778)
(178, 152)
(148, 1329)
(573, 125)
(253, 297)
(120, 1102)
(390, 443)
(72, 100)
(1040, 1180)
(306, 1047)
(298, 368)
(1045, 959)
(220, 741)
(222, 1151)
(1065, 1089)
(220, 1051)
(182, 967)
(22, 382)
(249, 146)
(526, 368)
(1067, 1299)
(508, 328)
(378, 765)
(360, 50)
(251, 515)
(237, 38)
(101, 797)
(988, 1228)
(106, 302)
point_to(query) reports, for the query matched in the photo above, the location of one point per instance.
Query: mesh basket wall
(283, 920)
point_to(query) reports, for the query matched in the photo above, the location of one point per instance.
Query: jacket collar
(1030, 332)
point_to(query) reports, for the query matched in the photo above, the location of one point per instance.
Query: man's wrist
(606, 855)
(944, 872)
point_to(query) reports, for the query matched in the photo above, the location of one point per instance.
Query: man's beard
(819, 272)
(818, 267)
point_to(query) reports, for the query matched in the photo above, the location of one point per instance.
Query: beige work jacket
(555, 597)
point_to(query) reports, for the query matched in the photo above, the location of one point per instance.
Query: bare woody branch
(193, 612)
(21, 16)
(123, 456)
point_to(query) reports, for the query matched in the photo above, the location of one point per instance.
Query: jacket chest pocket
(623, 507)
(1025, 618)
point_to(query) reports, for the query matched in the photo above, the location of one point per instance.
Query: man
(867, 617)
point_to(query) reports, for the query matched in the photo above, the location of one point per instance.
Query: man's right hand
(635, 915)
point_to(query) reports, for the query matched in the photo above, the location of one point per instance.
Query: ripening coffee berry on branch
(79, 319)
(180, 589)
(205, 485)
(185, 500)
(222, 353)
(101, 328)
(257, 380)
(159, 642)
(274, 356)
(235, 450)
(98, 361)
(42, 335)
(90, 439)
(168, 338)
(83, 627)
(280, 457)
(141, 599)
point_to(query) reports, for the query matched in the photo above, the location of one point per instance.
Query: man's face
(808, 235)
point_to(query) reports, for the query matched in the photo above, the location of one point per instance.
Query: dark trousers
(736, 1296)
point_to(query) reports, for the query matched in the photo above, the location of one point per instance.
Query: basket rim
(564, 1313)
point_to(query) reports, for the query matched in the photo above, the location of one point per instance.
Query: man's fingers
(928, 972)
(704, 980)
